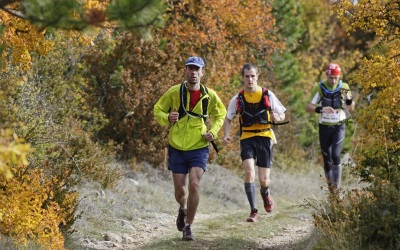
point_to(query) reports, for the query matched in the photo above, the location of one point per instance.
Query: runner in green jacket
(189, 136)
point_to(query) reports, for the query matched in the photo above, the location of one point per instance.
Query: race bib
(330, 118)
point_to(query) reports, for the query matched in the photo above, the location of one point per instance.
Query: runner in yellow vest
(256, 113)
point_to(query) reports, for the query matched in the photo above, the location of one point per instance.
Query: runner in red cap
(331, 99)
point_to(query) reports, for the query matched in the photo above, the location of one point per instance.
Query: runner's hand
(328, 110)
(278, 117)
(226, 140)
(208, 136)
(173, 116)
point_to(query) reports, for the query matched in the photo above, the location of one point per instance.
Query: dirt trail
(147, 233)
(140, 214)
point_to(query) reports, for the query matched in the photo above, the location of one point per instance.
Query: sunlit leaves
(27, 209)
(28, 212)
(378, 78)
(19, 39)
(48, 108)
(226, 33)
(378, 16)
(12, 152)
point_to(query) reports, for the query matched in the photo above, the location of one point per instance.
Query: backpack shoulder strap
(239, 102)
(204, 102)
(183, 100)
(266, 98)
(325, 90)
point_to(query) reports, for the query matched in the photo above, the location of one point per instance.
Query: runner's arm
(278, 110)
(227, 130)
(349, 97)
(230, 115)
(218, 112)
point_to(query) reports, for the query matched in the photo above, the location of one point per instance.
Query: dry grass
(140, 212)
(142, 208)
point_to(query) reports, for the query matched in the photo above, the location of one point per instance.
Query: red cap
(333, 69)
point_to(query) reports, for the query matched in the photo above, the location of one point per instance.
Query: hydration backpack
(331, 98)
(183, 99)
(257, 113)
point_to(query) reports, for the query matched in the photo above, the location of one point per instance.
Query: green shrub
(364, 219)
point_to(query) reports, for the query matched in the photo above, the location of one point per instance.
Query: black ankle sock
(264, 191)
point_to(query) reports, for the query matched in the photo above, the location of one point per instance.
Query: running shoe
(253, 216)
(268, 203)
(187, 233)
(180, 220)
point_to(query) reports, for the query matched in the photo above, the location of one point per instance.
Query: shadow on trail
(201, 244)
(226, 244)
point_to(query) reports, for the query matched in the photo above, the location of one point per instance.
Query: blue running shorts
(179, 162)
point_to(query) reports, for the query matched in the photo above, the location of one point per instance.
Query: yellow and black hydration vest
(332, 98)
(254, 113)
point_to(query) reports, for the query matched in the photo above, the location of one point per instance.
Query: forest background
(79, 80)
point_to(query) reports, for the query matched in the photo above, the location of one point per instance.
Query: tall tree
(225, 33)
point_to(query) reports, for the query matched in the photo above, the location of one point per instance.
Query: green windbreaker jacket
(186, 134)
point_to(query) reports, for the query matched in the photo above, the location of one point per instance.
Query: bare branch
(6, 2)
(13, 12)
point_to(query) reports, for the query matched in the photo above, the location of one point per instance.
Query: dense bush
(32, 211)
(364, 219)
(370, 216)
(47, 107)
(28, 211)
(127, 79)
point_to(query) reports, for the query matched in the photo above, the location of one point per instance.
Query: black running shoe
(180, 220)
(187, 233)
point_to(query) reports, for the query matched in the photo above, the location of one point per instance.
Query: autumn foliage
(128, 79)
(126, 82)
(45, 104)
(78, 97)
(24, 39)
(378, 79)
(369, 215)
(225, 33)
(28, 211)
